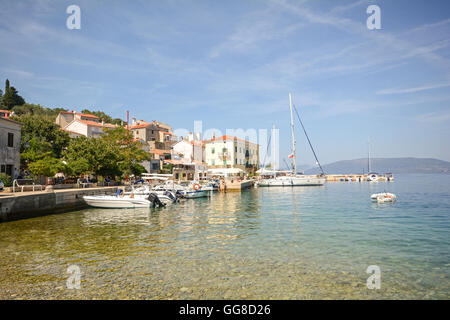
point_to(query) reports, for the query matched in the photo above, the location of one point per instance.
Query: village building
(159, 137)
(66, 117)
(232, 152)
(10, 135)
(90, 129)
(81, 124)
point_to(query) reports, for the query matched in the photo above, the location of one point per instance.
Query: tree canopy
(11, 97)
(40, 138)
(113, 154)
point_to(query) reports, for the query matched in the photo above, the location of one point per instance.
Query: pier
(22, 205)
(354, 177)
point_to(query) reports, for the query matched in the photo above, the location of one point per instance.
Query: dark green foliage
(11, 98)
(113, 154)
(40, 138)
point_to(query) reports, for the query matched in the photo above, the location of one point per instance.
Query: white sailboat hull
(293, 181)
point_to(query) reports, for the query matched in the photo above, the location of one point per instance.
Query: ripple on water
(266, 243)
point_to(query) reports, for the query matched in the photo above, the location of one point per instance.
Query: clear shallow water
(266, 243)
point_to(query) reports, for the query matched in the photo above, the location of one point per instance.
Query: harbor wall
(33, 204)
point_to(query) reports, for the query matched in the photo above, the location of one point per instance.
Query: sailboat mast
(294, 159)
(368, 156)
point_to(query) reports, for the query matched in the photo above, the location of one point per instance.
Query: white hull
(196, 194)
(116, 202)
(287, 181)
(383, 197)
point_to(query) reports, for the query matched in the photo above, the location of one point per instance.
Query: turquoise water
(265, 243)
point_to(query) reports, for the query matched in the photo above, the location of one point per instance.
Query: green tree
(11, 97)
(113, 154)
(130, 151)
(78, 166)
(41, 138)
(47, 167)
(1, 94)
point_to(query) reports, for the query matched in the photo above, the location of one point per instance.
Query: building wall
(63, 119)
(185, 148)
(239, 154)
(10, 156)
(78, 127)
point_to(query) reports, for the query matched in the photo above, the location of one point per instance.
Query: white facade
(231, 152)
(10, 135)
(88, 129)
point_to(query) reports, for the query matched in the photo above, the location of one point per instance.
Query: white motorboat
(125, 201)
(191, 194)
(165, 196)
(121, 200)
(373, 177)
(383, 197)
(210, 186)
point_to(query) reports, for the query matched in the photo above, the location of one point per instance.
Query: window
(235, 161)
(10, 139)
(235, 149)
(213, 162)
(9, 169)
(213, 150)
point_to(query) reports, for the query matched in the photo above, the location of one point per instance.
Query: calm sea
(265, 243)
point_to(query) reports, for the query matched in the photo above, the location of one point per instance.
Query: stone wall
(34, 204)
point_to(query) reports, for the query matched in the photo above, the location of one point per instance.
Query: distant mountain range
(384, 165)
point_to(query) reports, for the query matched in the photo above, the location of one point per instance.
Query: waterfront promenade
(21, 205)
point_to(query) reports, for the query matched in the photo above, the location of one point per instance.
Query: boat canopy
(225, 171)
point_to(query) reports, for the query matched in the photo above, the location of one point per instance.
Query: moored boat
(383, 197)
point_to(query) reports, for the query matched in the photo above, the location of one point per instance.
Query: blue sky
(232, 64)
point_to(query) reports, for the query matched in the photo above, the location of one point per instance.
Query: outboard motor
(171, 195)
(153, 198)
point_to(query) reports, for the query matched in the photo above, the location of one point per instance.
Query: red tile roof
(82, 114)
(225, 137)
(97, 124)
(159, 151)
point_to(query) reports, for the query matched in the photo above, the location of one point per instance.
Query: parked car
(2, 185)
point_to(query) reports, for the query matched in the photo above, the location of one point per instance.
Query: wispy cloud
(414, 89)
(434, 117)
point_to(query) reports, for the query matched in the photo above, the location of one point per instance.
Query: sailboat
(371, 176)
(292, 179)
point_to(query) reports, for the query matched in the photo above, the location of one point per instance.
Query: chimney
(103, 123)
(191, 137)
(133, 121)
(213, 135)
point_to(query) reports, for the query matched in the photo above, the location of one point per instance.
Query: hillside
(383, 165)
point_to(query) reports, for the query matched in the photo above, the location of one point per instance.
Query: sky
(232, 64)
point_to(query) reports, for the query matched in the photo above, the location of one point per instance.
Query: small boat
(210, 186)
(120, 201)
(373, 177)
(383, 197)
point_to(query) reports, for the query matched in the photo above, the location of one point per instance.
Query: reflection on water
(273, 243)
